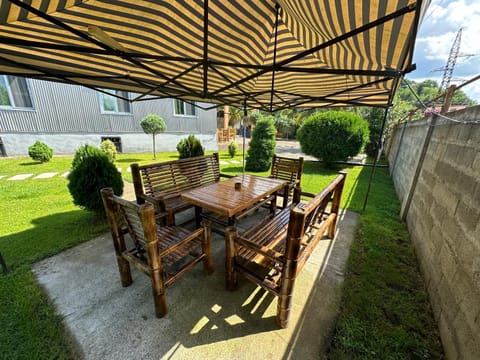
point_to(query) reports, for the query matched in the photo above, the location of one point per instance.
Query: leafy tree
(333, 135)
(108, 147)
(262, 145)
(153, 124)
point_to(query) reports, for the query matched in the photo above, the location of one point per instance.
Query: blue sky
(435, 39)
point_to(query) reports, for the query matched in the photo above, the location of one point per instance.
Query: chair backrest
(287, 169)
(309, 221)
(126, 216)
(175, 176)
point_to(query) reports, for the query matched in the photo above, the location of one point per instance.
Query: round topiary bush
(190, 147)
(91, 172)
(108, 147)
(232, 149)
(262, 145)
(333, 135)
(40, 152)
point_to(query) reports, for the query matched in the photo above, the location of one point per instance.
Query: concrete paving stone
(223, 162)
(20, 177)
(129, 169)
(119, 170)
(2, 176)
(204, 321)
(235, 162)
(65, 174)
(46, 175)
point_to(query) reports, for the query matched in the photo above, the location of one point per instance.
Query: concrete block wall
(444, 221)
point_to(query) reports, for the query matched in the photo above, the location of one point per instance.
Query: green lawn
(385, 312)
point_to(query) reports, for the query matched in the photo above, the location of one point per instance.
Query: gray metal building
(67, 116)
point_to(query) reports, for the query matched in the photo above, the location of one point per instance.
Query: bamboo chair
(290, 170)
(273, 253)
(164, 253)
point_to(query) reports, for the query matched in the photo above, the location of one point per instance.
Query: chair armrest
(194, 234)
(262, 250)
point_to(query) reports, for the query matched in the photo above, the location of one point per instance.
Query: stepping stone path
(46, 175)
(65, 174)
(20, 177)
(2, 176)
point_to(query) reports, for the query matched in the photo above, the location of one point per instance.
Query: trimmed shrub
(40, 152)
(262, 145)
(91, 172)
(83, 152)
(190, 147)
(108, 147)
(333, 135)
(232, 149)
(375, 119)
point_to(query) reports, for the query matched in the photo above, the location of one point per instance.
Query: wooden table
(223, 199)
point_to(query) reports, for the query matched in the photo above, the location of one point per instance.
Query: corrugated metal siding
(64, 108)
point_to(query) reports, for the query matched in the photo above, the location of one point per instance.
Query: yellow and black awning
(264, 54)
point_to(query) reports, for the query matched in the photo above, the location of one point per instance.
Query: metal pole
(244, 125)
(376, 158)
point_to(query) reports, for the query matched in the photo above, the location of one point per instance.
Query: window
(14, 92)
(112, 104)
(183, 109)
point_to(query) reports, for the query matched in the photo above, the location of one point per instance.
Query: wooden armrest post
(207, 246)
(137, 183)
(289, 274)
(231, 280)
(147, 217)
(337, 196)
(118, 238)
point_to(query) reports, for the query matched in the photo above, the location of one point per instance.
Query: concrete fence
(435, 165)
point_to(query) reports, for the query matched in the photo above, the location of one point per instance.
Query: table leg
(198, 216)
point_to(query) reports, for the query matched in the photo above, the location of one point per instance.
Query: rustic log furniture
(272, 253)
(163, 183)
(287, 169)
(164, 253)
(230, 202)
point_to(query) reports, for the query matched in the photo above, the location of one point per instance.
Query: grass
(385, 312)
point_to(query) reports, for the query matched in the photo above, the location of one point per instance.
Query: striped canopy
(264, 54)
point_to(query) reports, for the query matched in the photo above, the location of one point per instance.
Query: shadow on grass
(31, 163)
(50, 235)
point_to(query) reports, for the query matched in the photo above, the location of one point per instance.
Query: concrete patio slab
(204, 321)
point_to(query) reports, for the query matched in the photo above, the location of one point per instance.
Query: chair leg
(125, 273)
(159, 297)
(283, 309)
(231, 280)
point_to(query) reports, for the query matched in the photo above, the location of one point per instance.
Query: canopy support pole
(377, 155)
(244, 126)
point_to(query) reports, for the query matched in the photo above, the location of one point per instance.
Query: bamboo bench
(163, 183)
(272, 253)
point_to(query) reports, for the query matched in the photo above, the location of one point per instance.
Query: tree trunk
(154, 154)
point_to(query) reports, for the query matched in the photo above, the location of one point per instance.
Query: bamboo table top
(222, 198)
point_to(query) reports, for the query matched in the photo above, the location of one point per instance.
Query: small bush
(232, 149)
(262, 145)
(91, 172)
(190, 147)
(108, 147)
(40, 152)
(333, 135)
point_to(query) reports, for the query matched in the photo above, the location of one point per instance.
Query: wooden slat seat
(272, 253)
(163, 183)
(164, 253)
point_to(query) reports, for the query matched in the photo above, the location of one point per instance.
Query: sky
(435, 38)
